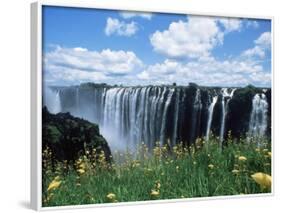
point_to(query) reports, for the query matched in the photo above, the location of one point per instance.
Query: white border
(36, 100)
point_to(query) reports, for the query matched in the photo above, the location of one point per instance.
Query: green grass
(200, 171)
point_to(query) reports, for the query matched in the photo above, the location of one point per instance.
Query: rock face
(68, 136)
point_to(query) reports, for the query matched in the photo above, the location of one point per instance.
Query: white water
(228, 96)
(51, 99)
(163, 126)
(196, 114)
(210, 116)
(174, 140)
(258, 119)
(128, 116)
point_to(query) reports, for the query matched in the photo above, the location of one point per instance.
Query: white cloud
(255, 51)
(263, 43)
(252, 23)
(209, 71)
(128, 15)
(231, 24)
(75, 64)
(114, 26)
(194, 38)
(264, 40)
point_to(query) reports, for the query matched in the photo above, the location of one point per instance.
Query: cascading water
(228, 96)
(174, 140)
(196, 113)
(128, 116)
(258, 118)
(210, 116)
(51, 99)
(164, 119)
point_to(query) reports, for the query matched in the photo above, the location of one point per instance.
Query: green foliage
(54, 134)
(200, 170)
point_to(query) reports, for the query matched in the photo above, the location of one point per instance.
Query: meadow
(200, 170)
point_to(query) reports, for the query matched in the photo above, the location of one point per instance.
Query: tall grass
(201, 170)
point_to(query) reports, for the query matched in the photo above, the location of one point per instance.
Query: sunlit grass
(201, 170)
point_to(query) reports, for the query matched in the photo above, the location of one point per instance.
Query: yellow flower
(269, 154)
(211, 166)
(54, 184)
(81, 171)
(111, 197)
(157, 184)
(154, 193)
(257, 150)
(264, 180)
(82, 166)
(242, 158)
(235, 171)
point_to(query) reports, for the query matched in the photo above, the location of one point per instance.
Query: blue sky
(129, 48)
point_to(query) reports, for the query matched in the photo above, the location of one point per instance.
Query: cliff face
(68, 136)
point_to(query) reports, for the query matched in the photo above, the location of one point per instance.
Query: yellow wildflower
(81, 171)
(157, 185)
(82, 166)
(269, 154)
(54, 184)
(264, 180)
(211, 166)
(111, 197)
(154, 193)
(242, 158)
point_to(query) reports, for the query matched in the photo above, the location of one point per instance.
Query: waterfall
(258, 118)
(228, 96)
(176, 118)
(51, 99)
(163, 126)
(196, 114)
(128, 116)
(210, 116)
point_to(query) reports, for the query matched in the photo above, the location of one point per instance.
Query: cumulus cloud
(129, 14)
(230, 24)
(252, 23)
(211, 72)
(114, 26)
(264, 40)
(193, 38)
(262, 44)
(82, 64)
(255, 51)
